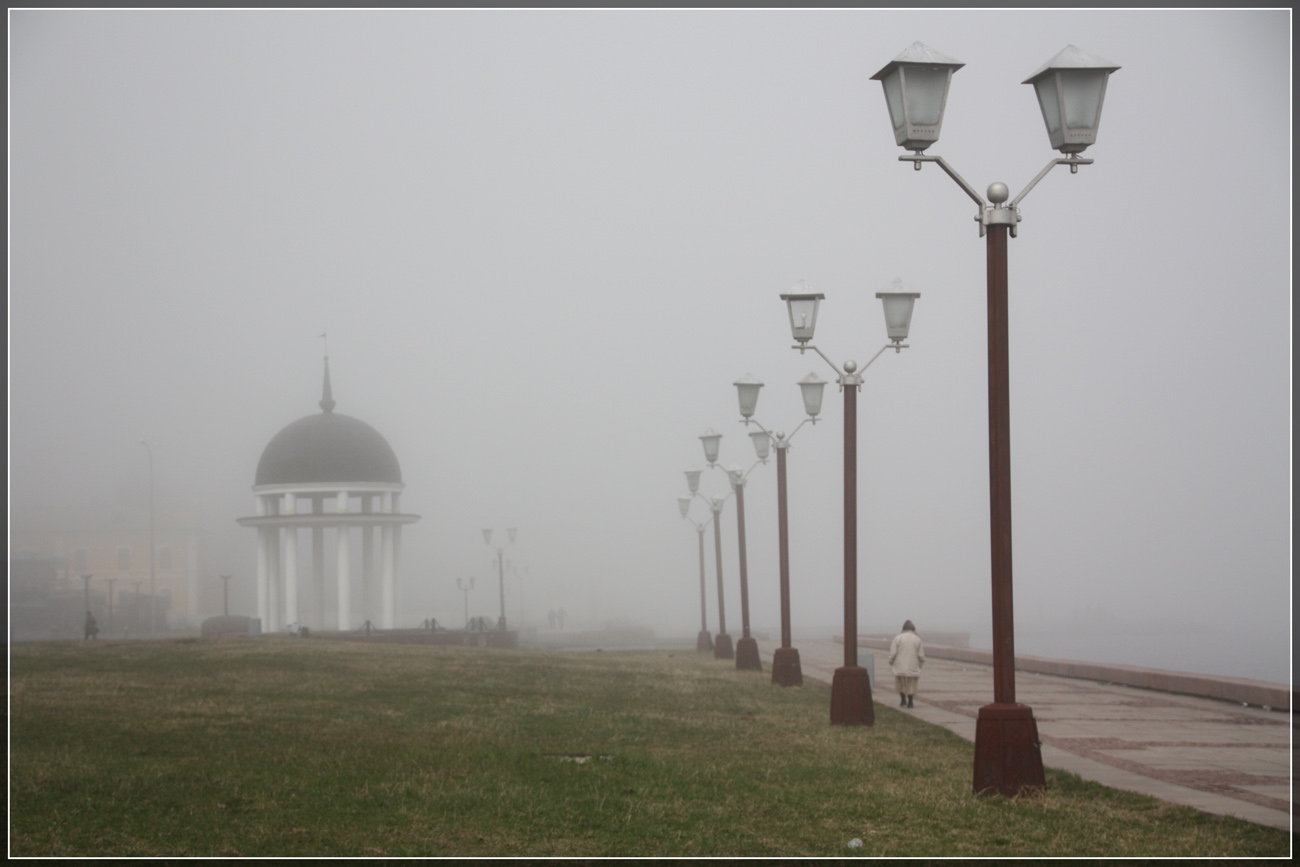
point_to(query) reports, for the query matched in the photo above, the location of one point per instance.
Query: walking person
(906, 656)
(92, 628)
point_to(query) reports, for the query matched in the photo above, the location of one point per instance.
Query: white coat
(906, 655)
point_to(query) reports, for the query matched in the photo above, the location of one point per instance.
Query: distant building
(52, 549)
(327, 472)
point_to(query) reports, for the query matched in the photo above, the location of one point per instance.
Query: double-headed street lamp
(501, 569)
(786, 670)
(851, 684)
(1070, 88)
(465, 588)
(704, 641)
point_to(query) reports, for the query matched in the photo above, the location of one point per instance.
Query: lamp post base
(747, 655)
(785, 667)
(722, 647)
(1008, 755)
(851, 697)
(704, 642)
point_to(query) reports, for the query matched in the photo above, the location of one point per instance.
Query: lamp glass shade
(803, 313)
(747, 390)
(1070, 89)
(813, 387)
(916, 90)
(693, 481)
(487, 537)
(684, 503)
(898, 310)
(762, 444)
(511, 533)
(711, 440)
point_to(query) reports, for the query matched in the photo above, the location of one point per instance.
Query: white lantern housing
(803, 311)
(747, 389)
(898, 309)
(487, 537)
(1070, 88)
(711, 438)
(684, 503)
(762, 444)
(511, 533)
(812, 387)
(693, 481)
(916, 91)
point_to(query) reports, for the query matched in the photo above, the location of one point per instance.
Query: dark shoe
(902, 700)
(909, 701)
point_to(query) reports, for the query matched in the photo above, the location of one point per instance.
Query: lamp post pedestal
(785, 667)
(722, 644)
(704, 642)
(747, 647)
(747, 655)
(1008, 754)
(851, 703)
(722, 647)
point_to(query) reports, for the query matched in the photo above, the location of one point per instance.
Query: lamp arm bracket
(951, 172)
(759, 425)
(790, 435)
(878, 354)
(801, 347)
(1073, 161)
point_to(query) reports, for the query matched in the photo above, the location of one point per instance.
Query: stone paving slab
(1208, 754)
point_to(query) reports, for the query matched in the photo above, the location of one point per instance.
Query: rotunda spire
(327, 397)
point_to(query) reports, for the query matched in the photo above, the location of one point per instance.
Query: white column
(263, 559)
(368, 565)
(344, 561)
(318, 563)
(290, 562)
(397, 548)
(274, 614)
(386, 560)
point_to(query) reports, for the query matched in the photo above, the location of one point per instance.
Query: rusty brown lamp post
(722, 648)
(704, 641)
(501, 570)
(851, 684)
(1070, 88)
(786, 669)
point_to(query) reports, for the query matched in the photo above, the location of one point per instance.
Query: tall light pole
(85, 581)
(501, 569)
(704, 641)
(225, 595)
(110, 581)
(851, 684)
(465, 588)
(786, 669)
(722, 648)
(1070, 89)
(153, 605)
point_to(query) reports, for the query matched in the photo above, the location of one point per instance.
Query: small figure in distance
(92, 628)
(906, 656)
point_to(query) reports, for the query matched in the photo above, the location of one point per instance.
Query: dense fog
(543, 245)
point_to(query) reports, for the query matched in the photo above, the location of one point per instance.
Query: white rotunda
(333, 472)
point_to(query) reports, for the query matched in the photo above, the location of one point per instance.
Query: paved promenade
(1212, 755)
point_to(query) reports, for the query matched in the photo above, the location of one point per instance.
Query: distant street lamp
(746, 650)
(851, 684)
(1070, 88)
(786, 670)
(153, 629)
(704, 641)
(722, 648)
(85, 582)
(225, 595)
(465, 588)
(110, 581)
(501, 570)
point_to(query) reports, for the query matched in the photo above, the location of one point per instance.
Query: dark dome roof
(328, 447)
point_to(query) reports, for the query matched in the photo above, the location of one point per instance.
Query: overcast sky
(544, 244)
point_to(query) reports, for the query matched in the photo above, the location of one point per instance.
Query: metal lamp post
(153, 605)
(704, 641)
(786, 669)
(1070, 88)
(465, 588)
(501, 570)
(722, 648)
(110, 604)
(225, 595)
(851, 684)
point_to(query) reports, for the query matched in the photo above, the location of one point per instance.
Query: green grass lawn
(281, 747)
